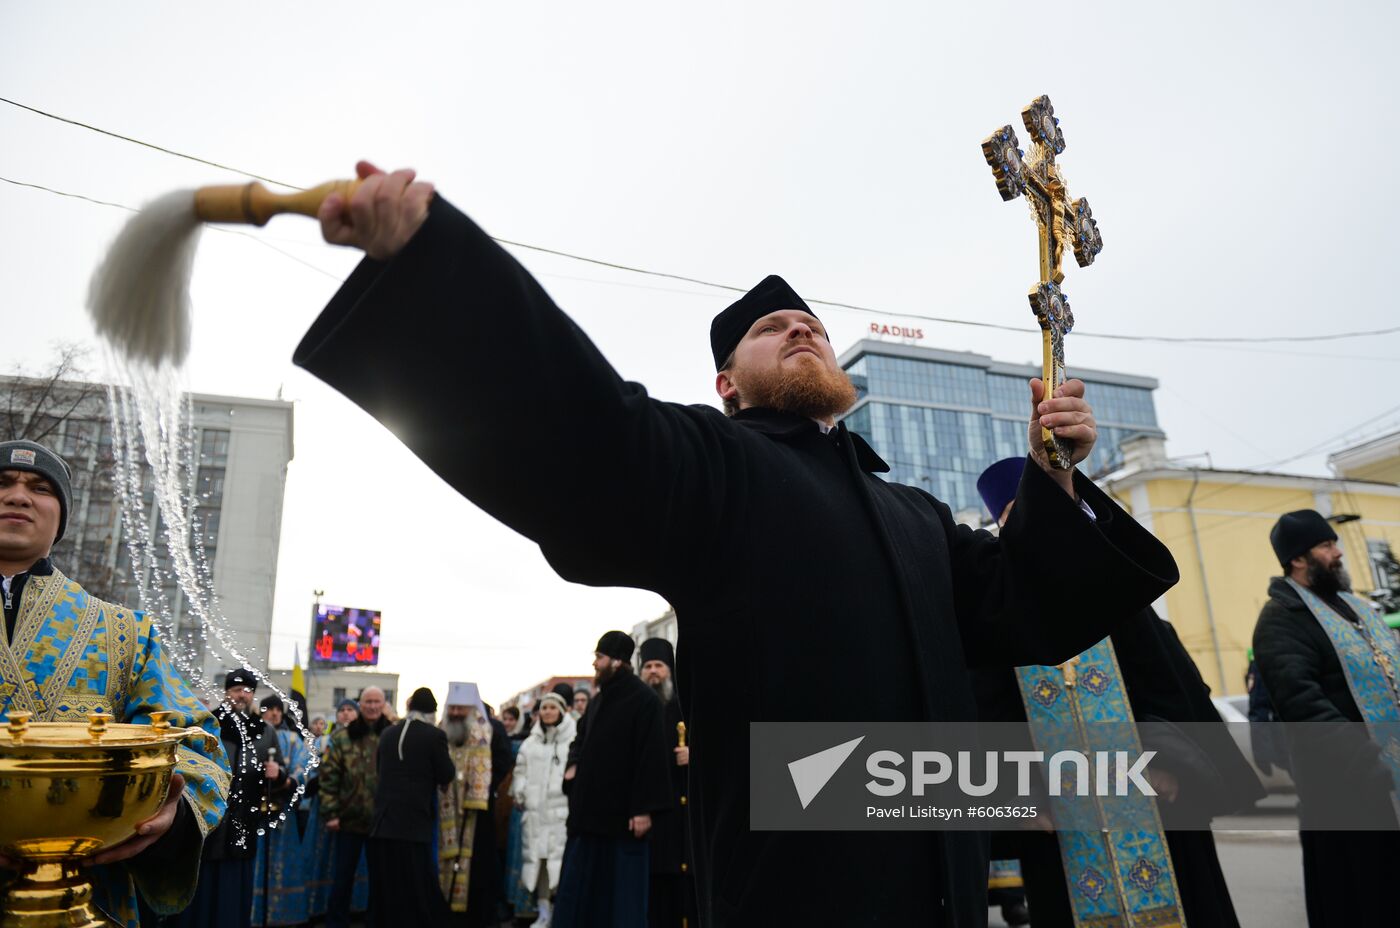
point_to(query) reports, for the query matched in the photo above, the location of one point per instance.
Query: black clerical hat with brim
(729, 328)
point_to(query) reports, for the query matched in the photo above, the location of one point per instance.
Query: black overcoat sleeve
(1047, 587)
(462, 353)
(651, 777)
(501, 759)
(1292, 653)
(444, 771)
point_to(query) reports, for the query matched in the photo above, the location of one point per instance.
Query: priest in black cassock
(672, 900)
(413, 764)
(1208, 776)
(616, 783)
(1329, 662)
(785, 555)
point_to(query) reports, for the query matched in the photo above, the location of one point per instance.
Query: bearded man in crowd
(1328, 659)
(672, 900)
(463, 857)
(616, 781)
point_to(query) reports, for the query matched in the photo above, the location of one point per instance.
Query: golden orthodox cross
(1060, 222)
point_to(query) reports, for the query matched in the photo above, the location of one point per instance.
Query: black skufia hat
(617, 645)
(240, 677)
(422, 700)
(1296, 533)
(729, 327)
(658, 649)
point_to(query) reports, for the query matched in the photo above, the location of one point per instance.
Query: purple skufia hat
(998, 484)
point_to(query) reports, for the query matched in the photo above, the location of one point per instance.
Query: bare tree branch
(35, 406)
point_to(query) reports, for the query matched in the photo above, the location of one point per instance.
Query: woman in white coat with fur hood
(538, 788)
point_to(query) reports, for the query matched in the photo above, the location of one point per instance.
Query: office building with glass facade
(939, 418)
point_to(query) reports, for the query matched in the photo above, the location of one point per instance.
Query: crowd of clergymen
(461, 817)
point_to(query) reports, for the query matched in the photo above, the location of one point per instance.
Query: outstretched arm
(445, 338)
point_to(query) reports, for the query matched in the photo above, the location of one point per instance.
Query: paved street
(1263, 865)
(1266, 880)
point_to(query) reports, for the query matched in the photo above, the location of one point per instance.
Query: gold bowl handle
(97, 724)
(19, 724)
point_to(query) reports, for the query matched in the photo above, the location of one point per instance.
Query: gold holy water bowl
(67, 791)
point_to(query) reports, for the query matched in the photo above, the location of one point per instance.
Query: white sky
(1238, 158)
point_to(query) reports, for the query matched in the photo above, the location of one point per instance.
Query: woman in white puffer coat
(538, 789)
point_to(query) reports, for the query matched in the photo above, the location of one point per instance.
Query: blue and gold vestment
(73, 654)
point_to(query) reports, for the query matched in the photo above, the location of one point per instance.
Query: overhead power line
(150, 145)
(904, 314)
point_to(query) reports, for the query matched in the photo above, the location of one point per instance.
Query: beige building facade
(1216, 524)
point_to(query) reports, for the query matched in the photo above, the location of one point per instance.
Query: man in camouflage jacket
(348, 783)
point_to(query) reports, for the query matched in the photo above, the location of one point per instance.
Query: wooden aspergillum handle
(253, 204)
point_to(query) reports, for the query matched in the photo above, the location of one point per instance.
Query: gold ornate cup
(67, 791)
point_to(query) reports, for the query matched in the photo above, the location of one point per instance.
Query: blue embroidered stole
(1117, 877)
(1370, 658)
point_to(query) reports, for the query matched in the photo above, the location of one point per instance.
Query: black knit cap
(36, 459)
(240, 677)
(1296, 533)
(273, 701)
(422, 700)
(565, 692)
(729, 327)
(617, 645)
(658, 649)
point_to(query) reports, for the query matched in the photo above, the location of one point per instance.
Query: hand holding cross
(1059, 222)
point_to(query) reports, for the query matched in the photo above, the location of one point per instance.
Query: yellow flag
(298, 680)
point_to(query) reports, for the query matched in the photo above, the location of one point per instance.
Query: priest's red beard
(806, 388)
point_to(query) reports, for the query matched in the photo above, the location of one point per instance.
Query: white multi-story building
(241, 448)
(327, 686)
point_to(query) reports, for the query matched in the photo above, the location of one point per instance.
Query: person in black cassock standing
(1199, 771)
(413, 764)
(616, 782)
(224, 898)
(1346, 802)
(672, 900)
(785, 556)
